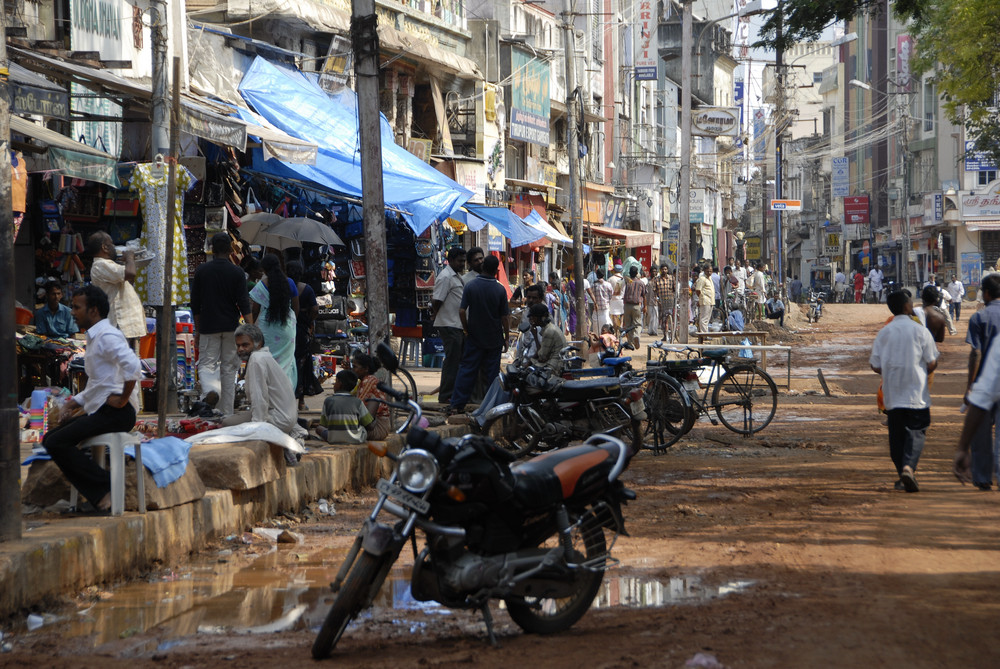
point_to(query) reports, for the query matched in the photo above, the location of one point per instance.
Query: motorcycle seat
(715, 353)
(589, 388)
(616, 361)
(559, 475)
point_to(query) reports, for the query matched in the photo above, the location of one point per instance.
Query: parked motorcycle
(547, 411)
(536, 535)
(815, 306)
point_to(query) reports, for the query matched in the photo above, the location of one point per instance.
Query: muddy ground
(794, 548)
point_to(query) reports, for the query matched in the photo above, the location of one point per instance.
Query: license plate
(406, 498)
(637, 406)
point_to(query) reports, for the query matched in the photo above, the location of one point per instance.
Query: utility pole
(10, 442)
(161, 106)
(684, 213)
(576, 221)
(166, 341)
(364, 35)
(779, 123)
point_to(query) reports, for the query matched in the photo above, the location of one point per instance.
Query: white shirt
(986, 390)
(272, 399)
(127, 313)
(875, 279)
(109, 363)
(956, 290)
(840, 278)
(902, 350)
(469, 276)
(448, 288)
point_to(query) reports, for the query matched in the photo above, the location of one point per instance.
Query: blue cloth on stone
(166, 459)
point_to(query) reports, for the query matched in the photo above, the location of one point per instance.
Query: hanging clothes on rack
(149, 180)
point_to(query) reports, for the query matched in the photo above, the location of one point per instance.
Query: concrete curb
(67, 555)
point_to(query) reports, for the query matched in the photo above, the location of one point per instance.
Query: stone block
(44, 485)
(188, 488)
(240, 465)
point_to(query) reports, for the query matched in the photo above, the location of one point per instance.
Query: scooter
(815, 306)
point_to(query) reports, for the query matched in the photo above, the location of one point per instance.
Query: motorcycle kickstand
(488, 619)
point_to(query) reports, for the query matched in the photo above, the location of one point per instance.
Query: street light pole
(684, 213)
(576, 221)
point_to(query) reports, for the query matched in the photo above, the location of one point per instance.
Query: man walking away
(633, 297)
(705, 291)
(875, 278)
(484, 312)
(983, 328)
(904, 354)
(447, 298)
(956, 291)
(602, 301)
(218, 299)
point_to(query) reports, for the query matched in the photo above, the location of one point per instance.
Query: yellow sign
(672, 252)
(752, 248)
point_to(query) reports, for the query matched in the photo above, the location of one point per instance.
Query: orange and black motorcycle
(536, 534)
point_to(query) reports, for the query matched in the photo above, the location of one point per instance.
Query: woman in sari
(276, 295)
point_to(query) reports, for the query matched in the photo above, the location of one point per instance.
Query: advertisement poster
(840, 177)
(529, 105)
(972, 268)
(856, 210)
(646, 54)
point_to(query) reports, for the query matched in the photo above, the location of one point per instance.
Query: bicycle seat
(611, 362)
(716, 353)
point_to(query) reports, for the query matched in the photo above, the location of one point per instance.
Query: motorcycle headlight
(418, 470)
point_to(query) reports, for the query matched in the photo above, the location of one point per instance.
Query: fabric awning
(983, 224)
(52, 138)
(631, 238)
(507, 222)
(535, 220)
(278, 144)
(71, 158)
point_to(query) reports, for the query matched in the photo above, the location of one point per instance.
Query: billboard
(856, 210)
(759, 142)
(716, 122)
(904, 49)
(840, 177)
(529, 105)
(646, 54)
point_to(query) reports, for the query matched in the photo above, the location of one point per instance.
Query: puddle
(285, 590)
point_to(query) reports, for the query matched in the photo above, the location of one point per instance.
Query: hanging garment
(151, 185)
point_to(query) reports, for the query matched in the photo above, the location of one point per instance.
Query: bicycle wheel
(402, 380)
(745, 399)
(668, 410)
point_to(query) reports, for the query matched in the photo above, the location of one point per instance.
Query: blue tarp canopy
(507, 222)
(302, 109)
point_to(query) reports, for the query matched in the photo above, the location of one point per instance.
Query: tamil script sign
(982, 205)
(39, 101)
(840, 177)
(84, 166)
(856, 210)
(977, 161)
(716, 122)
(832, 247)
(752, 248)
(529, 105)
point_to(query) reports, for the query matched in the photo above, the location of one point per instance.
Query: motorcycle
(815, 306)
(547, 411)
(536, 535)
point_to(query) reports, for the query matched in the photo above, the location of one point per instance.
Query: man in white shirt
(445, 302)
(904, 354)
(617, 305)
(116, 280)
(272, 398)
(109, 402)
(875, 277)
(839, 285)
(956, 291)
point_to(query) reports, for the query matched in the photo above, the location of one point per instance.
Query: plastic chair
(115, 442)
(409, 349)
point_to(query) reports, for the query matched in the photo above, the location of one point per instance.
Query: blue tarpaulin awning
(507, 222)
(302, 109)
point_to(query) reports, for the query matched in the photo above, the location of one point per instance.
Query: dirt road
(791, 550)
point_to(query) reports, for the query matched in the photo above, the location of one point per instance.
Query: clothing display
(150, 182)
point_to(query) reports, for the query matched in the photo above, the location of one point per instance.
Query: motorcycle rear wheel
(511, 435)
(549, 615)
(359, 587)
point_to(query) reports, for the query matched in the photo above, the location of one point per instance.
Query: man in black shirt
(218, 299)
(484, 313)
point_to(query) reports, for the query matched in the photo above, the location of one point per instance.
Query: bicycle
(744, 397)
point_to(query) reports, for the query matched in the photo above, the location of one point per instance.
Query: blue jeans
(495, 396)
(984, 450)
(907, 432)
(475, 360)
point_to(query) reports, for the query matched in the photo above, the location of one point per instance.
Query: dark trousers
(956, 310)
(982, 448)
(907, 431)
(454, 341)
(475, 360)
(78, 467)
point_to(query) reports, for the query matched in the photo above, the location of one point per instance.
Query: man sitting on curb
(272, 399)
(345, 417)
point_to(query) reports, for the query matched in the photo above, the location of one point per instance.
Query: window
(817, 77)
(930, 107)
(987, 177)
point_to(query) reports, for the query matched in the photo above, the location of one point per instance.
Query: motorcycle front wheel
(545, 613)
(359, 588)
(511, 435)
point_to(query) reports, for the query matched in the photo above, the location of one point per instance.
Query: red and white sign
(856, 210)
(786, 205)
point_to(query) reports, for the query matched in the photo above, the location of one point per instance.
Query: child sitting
(345, 417)
(605, 343)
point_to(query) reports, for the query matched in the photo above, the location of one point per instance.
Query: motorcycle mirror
(387, 357)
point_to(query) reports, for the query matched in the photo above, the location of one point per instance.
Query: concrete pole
(779, 129)
(684, 198)
(10, 442)
(158, 18)
(364, 34)
(576, 221)
(166, 340)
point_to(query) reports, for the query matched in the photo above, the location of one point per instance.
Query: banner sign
(646, 54)
(832, 247)
(696, 212)
(103, 135)
(752, 248)
(39, 101)
(716, 122)
(856, 210)
(786, 205)
(738, 101)
(904, 48)
(759, 143)
(338, 65)
(972, 268)
(614, 212)
(840, 177)
(529, 105)
(495, 242)
(976, 161)
(213, 127)
(85, 166)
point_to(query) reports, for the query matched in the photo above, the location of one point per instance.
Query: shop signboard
(472, 175)
(696, 213)
(832, 247)
(856, 210)
(27, 99)
(84, 166)
(716, 122)
(646, 54)
(338, 65)
(933, 208)
(752, 248)
(972, 268)
(840, 177)
(529, 105)
(977, 161)
(495, 242)
(982, 205)
(759, 141)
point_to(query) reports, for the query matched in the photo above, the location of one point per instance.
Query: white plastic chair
(114, 444)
